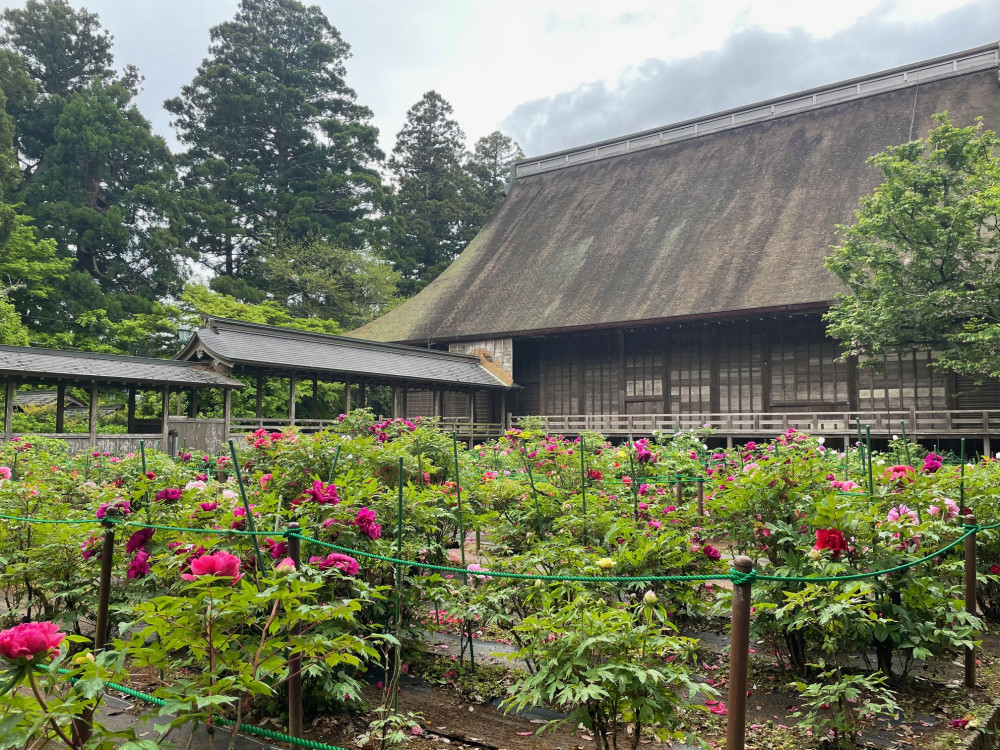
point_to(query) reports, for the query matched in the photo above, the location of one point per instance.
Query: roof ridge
(904, 76)
(298, 333)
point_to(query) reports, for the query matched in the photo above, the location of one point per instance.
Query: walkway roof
(29, 364)
(251, 348)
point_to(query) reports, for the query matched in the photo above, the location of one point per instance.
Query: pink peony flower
(323, 494)
(900, 514)
(25, 643)
(654, 524)
(5, 472)
(951, 509)
(711, 552)
(901, 473)
(264, 479)
(285, 567)
(220, 564)
(343, 563)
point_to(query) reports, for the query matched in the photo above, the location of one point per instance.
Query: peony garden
(316, 588)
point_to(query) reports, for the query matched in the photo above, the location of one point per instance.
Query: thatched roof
(734, 215)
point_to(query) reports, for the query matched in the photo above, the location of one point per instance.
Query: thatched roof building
(721, 219)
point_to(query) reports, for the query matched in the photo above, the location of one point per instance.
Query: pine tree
(431, 202)
(489, 165)
(276, 142)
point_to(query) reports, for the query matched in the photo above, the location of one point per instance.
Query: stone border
(985, 740)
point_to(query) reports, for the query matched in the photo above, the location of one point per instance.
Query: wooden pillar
(314, 404)
(436, 396)
(347, 395)
(131, 411)
(405, 389)
(227, 413)
(193, 404)
(61, 407)
(291, 399)
(8, 410)
(260, 397)
(93, 412)
(504, 426)
(397, 401)
(165, 417)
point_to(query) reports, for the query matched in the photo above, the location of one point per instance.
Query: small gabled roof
(45, 397)
(727, 215)
(250, 347)
(47, 365)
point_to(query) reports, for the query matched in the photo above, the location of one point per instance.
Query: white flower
(649, 598)
(821, 440)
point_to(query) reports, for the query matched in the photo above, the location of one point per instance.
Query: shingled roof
(47, 365)
(249, 346)
(713, 217)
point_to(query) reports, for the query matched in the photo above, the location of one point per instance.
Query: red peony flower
(831, 539)
(900, 473)
(25, 643)
(995, 569)
(220, 564)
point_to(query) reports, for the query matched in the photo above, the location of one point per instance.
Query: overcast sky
(559, 74)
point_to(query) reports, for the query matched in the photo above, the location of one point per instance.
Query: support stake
(970, 598)
(295, 657)
(739, 654)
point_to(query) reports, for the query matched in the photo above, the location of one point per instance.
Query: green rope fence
(735, 576)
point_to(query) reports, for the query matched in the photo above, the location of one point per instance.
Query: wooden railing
(117, 444)
(477, 431)
(917, 423)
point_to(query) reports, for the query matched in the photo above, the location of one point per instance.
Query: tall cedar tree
(922, 261)
(489, 165)
(93, 174)
(276, 143)
(432, 200)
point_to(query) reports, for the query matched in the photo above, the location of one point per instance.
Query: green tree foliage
(106, 193)
(276, 143)
(322, 280)
(207, 302)
(12, 331)
(489, 165)
(99, 183)
(922, 261)
(431, 203)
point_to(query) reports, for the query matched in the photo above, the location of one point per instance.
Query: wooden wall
(762, 365)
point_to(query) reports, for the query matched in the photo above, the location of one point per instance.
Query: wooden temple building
(675, 277)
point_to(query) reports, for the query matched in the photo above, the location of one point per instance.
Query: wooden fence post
(739, 654)
(295, 657)
(701, 497)
(970, 598)
(85, 727)
(679, 491)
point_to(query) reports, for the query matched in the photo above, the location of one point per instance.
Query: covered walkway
(21, 366)
(460, 388)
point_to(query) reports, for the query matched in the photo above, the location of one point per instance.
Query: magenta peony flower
(139, 567)
(220, 564)
(92, 547)
(323, 494)
(900, 473)
(345, 564)
(932, 462)
(365, 522)
(169, 494)
(208, 507)
(27, 642)
(120, 507)
(711, 552)
(276, 548)
(138, 540)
